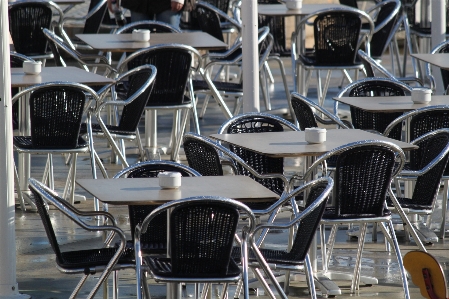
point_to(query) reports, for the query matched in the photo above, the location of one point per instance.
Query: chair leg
(444, 209)
(78, 287)
(177, 145)
(355, 284)
(140, 145)
(264, 283)
(19, 192)
(204, 106)
(310, 279)
(268, 69)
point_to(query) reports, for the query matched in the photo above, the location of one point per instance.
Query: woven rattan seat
(155, 239)
(202, 232)
(86, 261)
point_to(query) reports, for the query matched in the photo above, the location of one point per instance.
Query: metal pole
(8, 283)
(250, 60)
(438, 35)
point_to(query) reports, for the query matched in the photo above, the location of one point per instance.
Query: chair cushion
(24, 142)
(271, 256)
(162, 267)
(93, 257)
(408, 203)
(330, 214)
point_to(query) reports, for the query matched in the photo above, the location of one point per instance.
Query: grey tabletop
(439, 59)
(282, 10)
(293, 144)
(391, 104)
(142, 191)
(51, 74)
(123, 42)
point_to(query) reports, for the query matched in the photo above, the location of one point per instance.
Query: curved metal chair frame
(90, 261)
(372, 213)
(296, 258)
(429, 126)
(440, 48)
(56, 10)
(184, 275)
(183, 103)
(336, 64)
(92, 23)
(305, 114)
(84, 60)
(371, 65)
(48, 173)
(374, 86)
(126, 124)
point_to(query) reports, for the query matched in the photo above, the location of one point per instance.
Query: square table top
(293, 144)
(282, 10)
(124, 43)
(146, 191)
(391, 104)
(439, 59)
(51, 74)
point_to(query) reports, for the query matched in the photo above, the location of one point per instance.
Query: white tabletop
(51, 74)
(123, 42)
(282, 10)
(293, 144)
(146, 191)
(439, 59)
(391, 104)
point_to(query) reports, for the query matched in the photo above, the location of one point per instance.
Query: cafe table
(293, 144)
(124, 43)
(438, 59)
(146, 191)
(48, 74)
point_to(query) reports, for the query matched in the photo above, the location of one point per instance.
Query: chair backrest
(153, 26)
(132, 112)
(428, 184)
(56, 113)
(155, 239)
(17, 59)
(26, 20)
(336, 35)
(277, 29)
(202, 234)
(352, 3)
(173, 63)
(202, 157)
(96, 14)
(209, 21)
(441, 48)
(258, 123)
(371, 87)
(385, 22)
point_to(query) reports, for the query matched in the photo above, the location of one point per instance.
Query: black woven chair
(154, 241)
(421, 122)
(371, 87)
(26, 20)
(86, 261)
(92, 23)
(295, 258)
(258, 123)
(337, 37)
(441, 48)
(140, 82)
(56, 112)
(202, 231)
(363, 176)
(207, 156)
(173, 81)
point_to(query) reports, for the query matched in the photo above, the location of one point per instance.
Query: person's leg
(139, 16)
(171, 17)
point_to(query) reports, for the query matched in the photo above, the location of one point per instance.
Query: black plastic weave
(55, 114)
(378, 121)
(201, 239)
(26, 21)
(154, 240)
(173, 69)
(202, 157)
(362, 177)
(336, 36)
(380, 39)
(79, 259)
(304, 114)
(277, 29)
(261, 163)
(445, 73)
